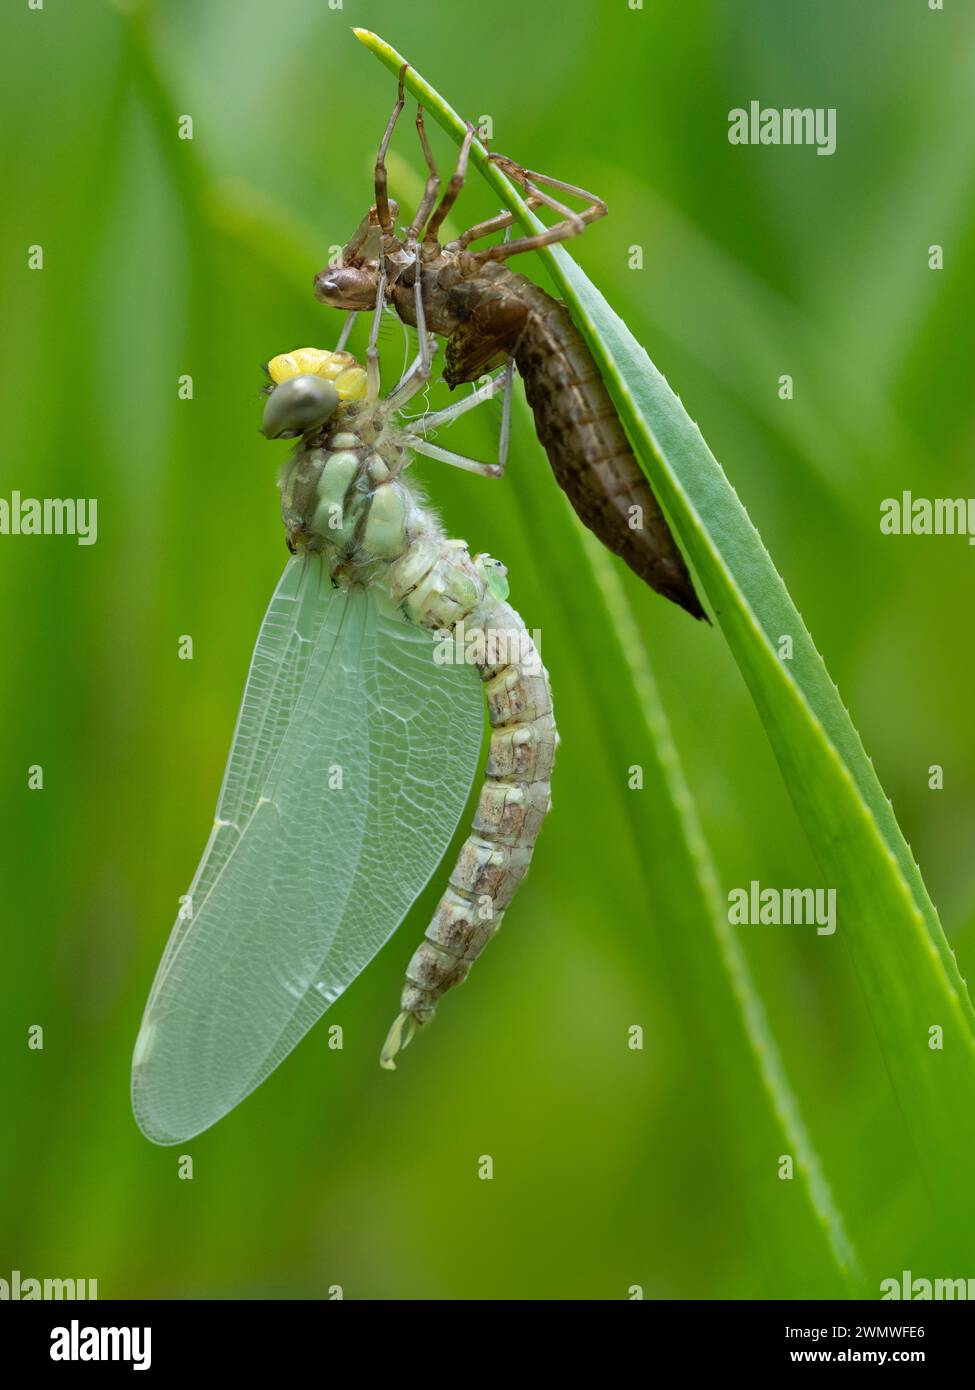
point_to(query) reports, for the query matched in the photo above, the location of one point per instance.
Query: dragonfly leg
(412, 382)
(426, 424)
(432, 184)
(350, 319)
(493, 224)
(509, 382)
(420, 313)
(372, 351)
(530, 178)
(381, 184)
(419, 429)
(469, 465)
(453, 188)
(572, 224)
(418, 373)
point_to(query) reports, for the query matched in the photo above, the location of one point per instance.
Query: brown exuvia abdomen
(576, 422)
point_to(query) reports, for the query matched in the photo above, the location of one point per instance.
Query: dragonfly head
(308, 386)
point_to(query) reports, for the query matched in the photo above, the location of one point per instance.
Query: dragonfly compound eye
(297, 405)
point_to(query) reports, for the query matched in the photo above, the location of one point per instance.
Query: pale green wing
(351, 763)
(290, 631)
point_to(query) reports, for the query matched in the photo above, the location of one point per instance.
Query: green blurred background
(613, 1167)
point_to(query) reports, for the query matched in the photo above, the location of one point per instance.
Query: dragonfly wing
(290, 631)
(350, 767)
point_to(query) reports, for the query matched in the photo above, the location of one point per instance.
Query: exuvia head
(348, 287)
(354, 282)
(309, 385)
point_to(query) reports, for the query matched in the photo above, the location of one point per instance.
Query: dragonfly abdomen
(513, 803)
(580, 430)
(499, 313)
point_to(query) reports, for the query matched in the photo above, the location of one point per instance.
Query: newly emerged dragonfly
(489, 314)
(355, 748)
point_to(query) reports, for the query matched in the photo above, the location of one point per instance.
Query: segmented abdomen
(513, 802)
(589, 452)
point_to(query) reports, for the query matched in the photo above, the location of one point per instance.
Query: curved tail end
(687, 599)
(398, 1038)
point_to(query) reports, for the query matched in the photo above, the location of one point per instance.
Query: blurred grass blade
(907, 971)
(706, 886)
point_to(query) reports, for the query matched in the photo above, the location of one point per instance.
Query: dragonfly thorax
(348, 500)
